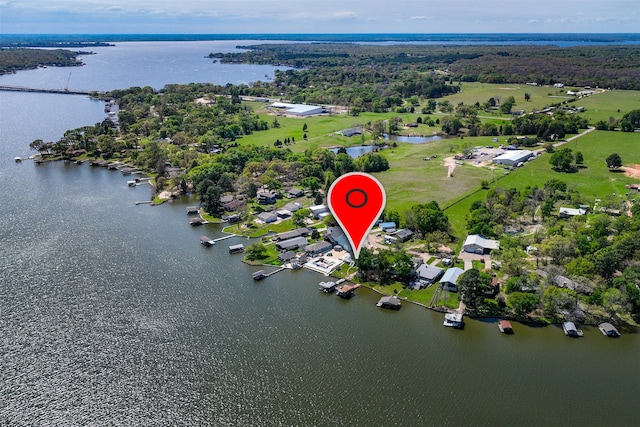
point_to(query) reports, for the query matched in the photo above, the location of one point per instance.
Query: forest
(14, 59)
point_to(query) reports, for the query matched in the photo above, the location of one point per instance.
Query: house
(403, 235)
(291, 244)
(226, 199)
(318, 248)
(266, 217)
(391, 302)
(293, 193)
(291, 234)
(388, 227)
(283, 213)
(569, 212)
(286, 256)
(429, 274)
(234, 205)
(318, 210)
(266, 197)
(293, 207)
(449, 280)
(513, 157)
(477, 244)
(337, 237)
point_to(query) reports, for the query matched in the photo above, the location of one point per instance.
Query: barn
(513, 157)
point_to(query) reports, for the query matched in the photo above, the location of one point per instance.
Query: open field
(411, 179)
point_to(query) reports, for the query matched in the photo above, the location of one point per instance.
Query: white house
(318, 210)
(450, 279)
(569, 212)
(477, 244)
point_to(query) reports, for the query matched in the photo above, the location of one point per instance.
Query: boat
(453, 320)
(390, 302)
(18, 159)
(570, 330)
(505, 327)
(327, 287)
(608, 330)
(207, 241)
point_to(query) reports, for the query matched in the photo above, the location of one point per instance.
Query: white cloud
(417, 17)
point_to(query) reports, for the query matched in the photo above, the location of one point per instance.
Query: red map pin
(356, 200)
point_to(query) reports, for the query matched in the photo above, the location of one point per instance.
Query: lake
(112, 313)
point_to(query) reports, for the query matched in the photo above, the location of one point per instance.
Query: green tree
(403, 267)
(256, 251)
(300, 216)
(562, 160)
(614, 161)
(522, 303)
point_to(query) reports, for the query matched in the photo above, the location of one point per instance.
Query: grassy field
(411, 180)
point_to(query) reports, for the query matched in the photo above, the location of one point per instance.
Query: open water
(113, 314)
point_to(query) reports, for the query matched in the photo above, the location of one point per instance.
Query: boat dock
(261, 274)
(223, 238)
(346, 291)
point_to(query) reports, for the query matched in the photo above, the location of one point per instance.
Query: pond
(355, 151)
(413, 139)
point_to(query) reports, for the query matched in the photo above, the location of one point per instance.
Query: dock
(327, 287)
(505, 327)
(347, 291)
(206, 241)
(261, 274)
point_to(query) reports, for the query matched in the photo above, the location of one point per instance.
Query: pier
(39, 90)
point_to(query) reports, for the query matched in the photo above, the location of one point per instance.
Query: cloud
(417, 17)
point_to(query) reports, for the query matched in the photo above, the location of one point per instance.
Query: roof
(476, 239)
(286, 256)
(451, 275)
(266, 216)
(390, 300)
(514, 155)
(293, 233)
(572, 212)
(387, 225)
(429, 272)
(318, 247)
(298, 108)
(294, 242)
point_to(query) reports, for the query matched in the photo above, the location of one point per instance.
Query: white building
(477, 244)
(513, 157)
(301, 110)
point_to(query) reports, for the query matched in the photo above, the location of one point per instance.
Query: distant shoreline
(558, 39)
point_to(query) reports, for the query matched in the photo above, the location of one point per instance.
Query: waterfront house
(318, 248)
(450, 278)
(266, 217)
(428, 274)
(477, 244)
(286, 256)
(337, 237)
(234, 205)
(293, 243)
(285, 235)
(390, 302)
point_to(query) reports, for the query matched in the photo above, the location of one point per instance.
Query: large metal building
(513, 157)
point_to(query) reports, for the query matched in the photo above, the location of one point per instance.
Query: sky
(317, 16)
